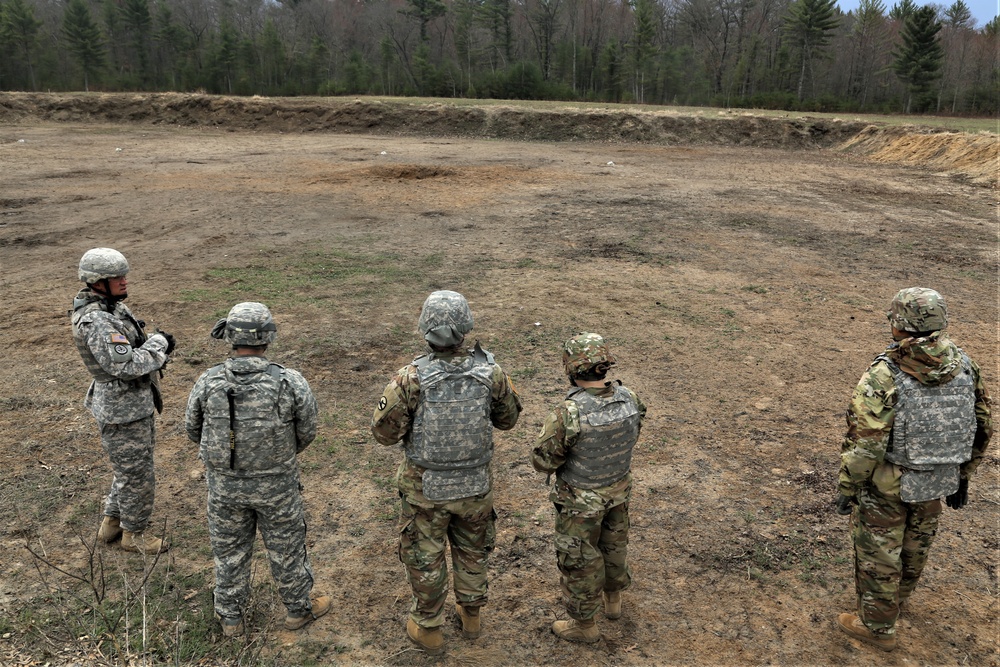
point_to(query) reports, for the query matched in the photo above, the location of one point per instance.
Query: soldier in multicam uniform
(251, 418)
(124, 364)
(918, 427)
(587, 442)
(443, 407)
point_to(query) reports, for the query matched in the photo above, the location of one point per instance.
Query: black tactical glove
(960, 498)
(844, 504)
(171, 341)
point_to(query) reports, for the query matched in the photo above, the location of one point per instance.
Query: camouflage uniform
(468, 523)
(592, 523)
(892, 537)
(122, 398)
(253, 476)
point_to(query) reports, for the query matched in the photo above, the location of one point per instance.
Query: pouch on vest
(917, 486)
(441, 485)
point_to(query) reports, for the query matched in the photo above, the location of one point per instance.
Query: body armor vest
(609, 427)
(932, 433)
(83, 307)
(248, 427)
(452, 435)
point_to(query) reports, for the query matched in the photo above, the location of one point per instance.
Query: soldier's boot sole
(853, 626)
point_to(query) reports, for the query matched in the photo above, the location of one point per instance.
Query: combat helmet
(445, 318)
(102, 263)
(584, 351)
(918, 310)
(248, 323)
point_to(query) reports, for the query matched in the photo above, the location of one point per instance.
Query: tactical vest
(609, 428)
(932, 433)
(248, 429)
(83, 307)
(452, 435)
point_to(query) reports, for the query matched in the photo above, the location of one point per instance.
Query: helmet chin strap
(106, 295)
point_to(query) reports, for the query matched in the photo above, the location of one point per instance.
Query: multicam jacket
(401, 405)
(119, 357)
(932, 361)
(251, 417)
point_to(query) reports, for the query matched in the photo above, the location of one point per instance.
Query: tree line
(789, 54)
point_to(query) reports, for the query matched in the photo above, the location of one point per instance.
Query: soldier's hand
(844, 504)
(960, 498)
(171, 341)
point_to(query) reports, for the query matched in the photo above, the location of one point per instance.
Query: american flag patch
(117, 338)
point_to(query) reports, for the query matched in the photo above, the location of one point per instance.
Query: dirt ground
(741, 281)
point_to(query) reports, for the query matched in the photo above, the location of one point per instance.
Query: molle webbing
(609, 427)
(94, 368)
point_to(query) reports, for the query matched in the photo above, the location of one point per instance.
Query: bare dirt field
(740, 267)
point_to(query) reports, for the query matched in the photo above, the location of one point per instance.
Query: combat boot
(429, 639)
(471, 628)
(613, 604)
(231, 626)
(853, 626)
(140, 544)
(577, 631)
(110, 530)
(320, 606)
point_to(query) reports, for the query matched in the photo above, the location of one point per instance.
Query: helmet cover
(248, 324)
(445, 318)
(584, 351)
(100, 263)
(918, 310)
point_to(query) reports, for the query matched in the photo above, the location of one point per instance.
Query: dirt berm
(966, 156)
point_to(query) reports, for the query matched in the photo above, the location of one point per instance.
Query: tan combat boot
(577, 631)
(613, 604)
(110, 530)
(853, 626)
(320, 606)
(429, 639)
(231, 626)
(471, 628)
(140, 544)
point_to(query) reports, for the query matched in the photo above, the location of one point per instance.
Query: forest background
(804, 55)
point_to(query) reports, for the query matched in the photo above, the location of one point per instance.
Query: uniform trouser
(130, 449)
(237, 506)
(468, 525)
(591, 552)
(891, 541)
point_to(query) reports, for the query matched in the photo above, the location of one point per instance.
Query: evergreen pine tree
(19, 34)
(919, 58)
(84, 40)
(809, 24)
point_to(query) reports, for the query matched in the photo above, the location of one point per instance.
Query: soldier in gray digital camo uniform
(443, 407)
(587, 442)
(125, 365)
(918, 427)
(251, 418)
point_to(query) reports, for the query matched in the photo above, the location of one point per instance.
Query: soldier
(251, 418)
(125, 365)
(587, 442)
(918, 427)
(443, 406)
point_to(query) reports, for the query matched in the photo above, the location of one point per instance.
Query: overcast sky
(983, 11)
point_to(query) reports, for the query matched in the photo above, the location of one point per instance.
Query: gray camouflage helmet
(100, 263)
(918, 310)
(249, 324)
(445, 318)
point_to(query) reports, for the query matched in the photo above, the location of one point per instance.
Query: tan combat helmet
(918, 310)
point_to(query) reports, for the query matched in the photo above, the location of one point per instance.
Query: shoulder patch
(119, 339)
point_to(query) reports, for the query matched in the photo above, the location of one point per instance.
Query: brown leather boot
(613, 604)
(853, 626)
(320, 606)
(110, 530)
(471, 628)
(429, 639)
(141, 544)
(577, 631)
